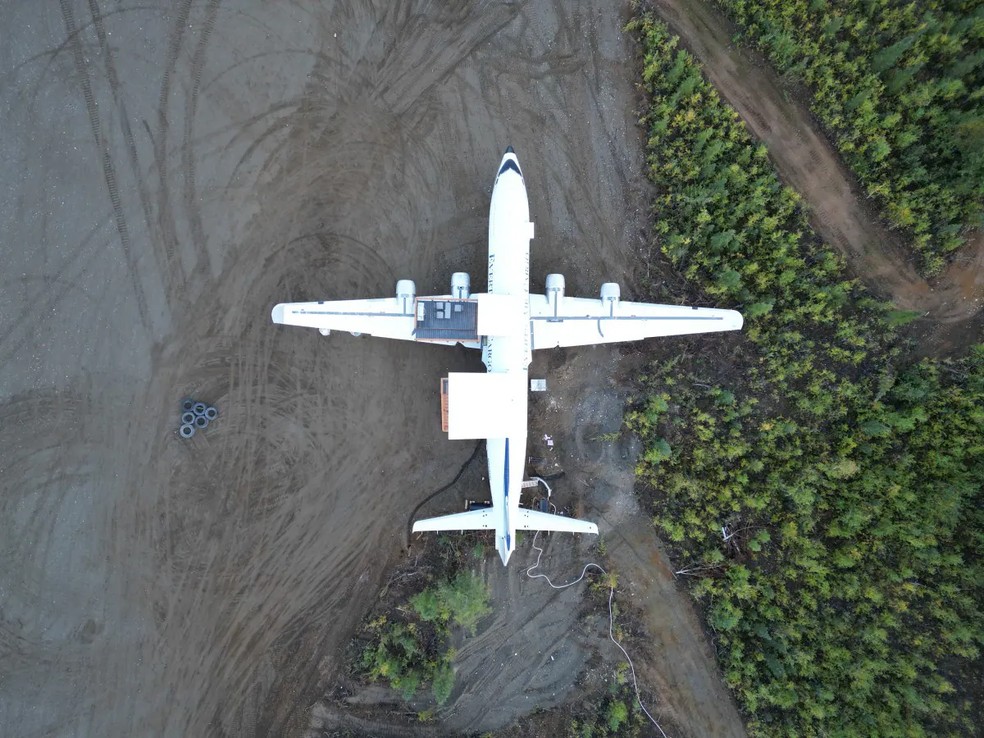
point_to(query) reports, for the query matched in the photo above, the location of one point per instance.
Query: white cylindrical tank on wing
(460, 286)
(610, 294)
(555, 288)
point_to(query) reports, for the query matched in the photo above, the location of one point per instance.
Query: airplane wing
(386, 317)
(471, 520)
(439, 319)
(577, 321)
(535, 520)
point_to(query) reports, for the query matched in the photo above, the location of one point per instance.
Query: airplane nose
(509, 161)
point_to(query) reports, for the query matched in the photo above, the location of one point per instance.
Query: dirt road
(808, 163)
(170, 171)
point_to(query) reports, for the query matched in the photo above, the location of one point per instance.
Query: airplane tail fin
(471, 520)
(534, 520)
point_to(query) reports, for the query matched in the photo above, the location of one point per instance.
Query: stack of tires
(195, 416)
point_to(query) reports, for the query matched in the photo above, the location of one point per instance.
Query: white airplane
(507, 323)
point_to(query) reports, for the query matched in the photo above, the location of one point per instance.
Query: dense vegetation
(413, 651)
(827, 504)
(900, 86)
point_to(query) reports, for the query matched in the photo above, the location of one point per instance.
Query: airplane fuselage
(510, 232)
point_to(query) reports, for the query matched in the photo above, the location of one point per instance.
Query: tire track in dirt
(401, 84)
(187, 149)
(61, 447)
(108, 168)
(112, 76)
(258, 142)
(52, 54)
(166, 222)
(263, 390)
(809, 164)
(44, 301)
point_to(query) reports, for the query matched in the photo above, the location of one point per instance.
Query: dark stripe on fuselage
(505, 474)
(505, 506)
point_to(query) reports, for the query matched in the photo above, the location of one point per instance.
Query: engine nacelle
(610, 294)
(406, 288)
(406, 291)
(460, 286)
(555, 288)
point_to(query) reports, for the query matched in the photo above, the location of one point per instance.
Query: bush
(618, 713)
(397, 651)
(463, 601)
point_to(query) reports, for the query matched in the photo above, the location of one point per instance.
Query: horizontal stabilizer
(534, 520)
(471, 520)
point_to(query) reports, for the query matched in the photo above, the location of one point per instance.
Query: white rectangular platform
(485, 405)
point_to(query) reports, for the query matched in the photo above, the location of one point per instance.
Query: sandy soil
(807, 162)
(170, 171)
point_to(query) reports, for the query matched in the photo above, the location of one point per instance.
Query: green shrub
(463, 601)
(397, 651)
(617, 714)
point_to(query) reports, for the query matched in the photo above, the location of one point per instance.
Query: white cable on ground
(543, 481)
(611, 619)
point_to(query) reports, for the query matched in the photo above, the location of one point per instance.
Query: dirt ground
(170, 171)
(809, 164)
(540, 646)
